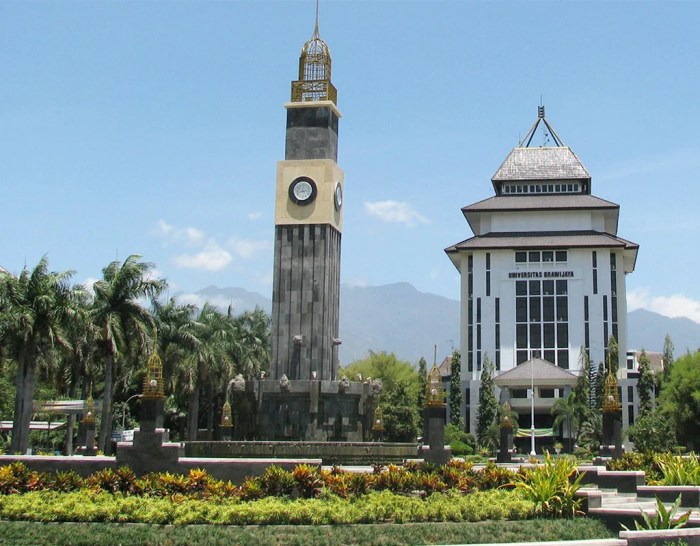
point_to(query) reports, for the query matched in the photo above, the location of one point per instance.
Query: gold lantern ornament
(153, 380)
(435, 392)
(611, 395)
(226, 418)
(378, 425)
(89, 410)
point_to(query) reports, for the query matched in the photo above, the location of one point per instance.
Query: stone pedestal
(612, 435)
(434, 419)
(89, 430)
(150, 450)
(226, 433)
(505, 446)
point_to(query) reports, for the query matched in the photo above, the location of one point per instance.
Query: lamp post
(532, 409)
(126, 405)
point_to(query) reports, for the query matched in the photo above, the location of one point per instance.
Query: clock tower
(308, 223)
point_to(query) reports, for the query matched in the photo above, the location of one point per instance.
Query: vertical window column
(470, 313)
(488, 274)
(595, 272)
(478, 334)
(497, 333)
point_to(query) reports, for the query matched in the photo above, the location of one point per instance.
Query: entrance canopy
(536, 371)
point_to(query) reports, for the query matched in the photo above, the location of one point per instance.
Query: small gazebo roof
(538, 371)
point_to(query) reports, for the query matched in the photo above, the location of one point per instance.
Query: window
(547, 256)
(542, 315)
(520, 257)
(561, 256)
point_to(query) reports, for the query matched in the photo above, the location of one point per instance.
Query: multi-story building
(542, 277)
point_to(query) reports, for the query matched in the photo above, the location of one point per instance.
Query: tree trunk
(105, 439)
(210, 414)
(193, 414)
(72, 393)
(24, 395)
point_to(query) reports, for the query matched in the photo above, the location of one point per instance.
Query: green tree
(34, 306)
(252, 354)
(125, 326)
(399, 412)
(455, 395)
(488, 405)
(387, 367)
(668, 355)
(645, 383)
(613, 356)
(585, 396)
(651, 433)
(600, 385)
(679, 399)
(567, 410)
(422, 386)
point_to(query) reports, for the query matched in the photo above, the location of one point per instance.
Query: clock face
(302, 190)
(338, 197)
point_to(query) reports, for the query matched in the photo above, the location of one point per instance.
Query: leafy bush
(462, 443)
(651, 433)
(679, 470)
(277, 482)
(662, 518)
(549, 486)
(646, 462)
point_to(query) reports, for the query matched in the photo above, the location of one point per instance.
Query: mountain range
(398, 318)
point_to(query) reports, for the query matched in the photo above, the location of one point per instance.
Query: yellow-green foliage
(375, 507)
(679, 470)
(550, 486)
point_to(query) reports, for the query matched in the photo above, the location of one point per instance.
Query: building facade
(542, 277)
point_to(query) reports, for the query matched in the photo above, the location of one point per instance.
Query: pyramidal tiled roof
(542, 372)
(546, 163)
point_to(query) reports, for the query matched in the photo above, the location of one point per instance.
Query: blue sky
(155, 128)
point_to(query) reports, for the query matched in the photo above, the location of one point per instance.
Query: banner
(539, 432)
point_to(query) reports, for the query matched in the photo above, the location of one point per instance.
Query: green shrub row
(303, 481)
(661, 468)
(328, 509)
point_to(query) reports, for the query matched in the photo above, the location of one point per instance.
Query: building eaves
(512, 203)
(542, 239)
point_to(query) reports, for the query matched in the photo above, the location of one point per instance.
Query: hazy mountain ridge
(398, 318)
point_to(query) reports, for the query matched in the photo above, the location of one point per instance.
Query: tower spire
(314, 83)
(316, 25)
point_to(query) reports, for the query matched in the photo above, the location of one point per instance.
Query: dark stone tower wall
(305, 301)
(312, 133)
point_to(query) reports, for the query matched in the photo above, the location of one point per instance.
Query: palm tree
(566, 410)
(124, 324)
(253, 347)
(207, 364)
(35, 305)
(82, 334)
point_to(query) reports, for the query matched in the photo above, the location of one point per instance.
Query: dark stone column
(90, 450)
(434, 419)
(612, 435)
(505, 446)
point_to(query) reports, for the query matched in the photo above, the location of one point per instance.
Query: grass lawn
(79, 534)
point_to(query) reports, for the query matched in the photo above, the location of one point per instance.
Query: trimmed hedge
(375, 507)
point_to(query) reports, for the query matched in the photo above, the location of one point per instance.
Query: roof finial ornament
(316, 35)
(548, 131)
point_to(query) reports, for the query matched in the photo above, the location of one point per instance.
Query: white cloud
(211, 258)
(676, 305)
(189, 236)
(266, 279)
(254, 215)
(246, 249)
(395, 212)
